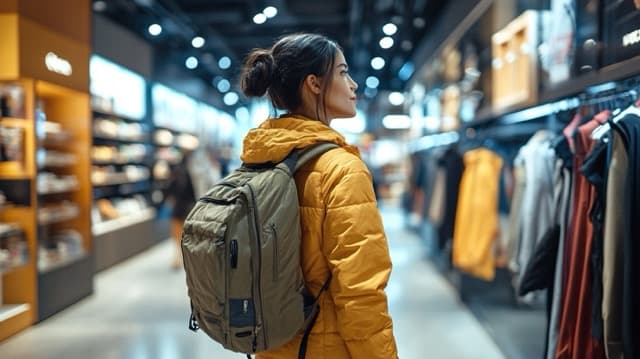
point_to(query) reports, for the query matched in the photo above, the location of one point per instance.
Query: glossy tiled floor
(139, 311)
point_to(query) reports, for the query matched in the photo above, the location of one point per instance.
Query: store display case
(176, 121)
(18, 304)
(63, 191)
(515, 64)
(44, 169)
(621, 30)
(122, 156)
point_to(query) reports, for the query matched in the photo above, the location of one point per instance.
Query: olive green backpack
(241, 250)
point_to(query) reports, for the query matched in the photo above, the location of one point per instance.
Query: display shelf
(64, 285)
(13, 268)
(103, 228)
(9, 311)
(58, 191)
(122, 163)
(122, 191)
(17, 122)
(61, 263)
(13, 170)
(58, 219)
(573, 87)
(118, 182)
(114, 116)
(120, 140)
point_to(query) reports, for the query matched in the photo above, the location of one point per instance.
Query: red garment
(574, 338)
(570, 129)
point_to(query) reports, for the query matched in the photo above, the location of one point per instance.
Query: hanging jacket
(476, 226)
(342, 234)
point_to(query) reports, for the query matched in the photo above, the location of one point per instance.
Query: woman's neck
(310, 114)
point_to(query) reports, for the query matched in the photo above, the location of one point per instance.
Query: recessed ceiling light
(389, 29)
(260, 18)
(372, 82)
(396, 98)
(386, 42)
(270, 11)
(197, 42)
(370, 92)
(230, 99)
(155, 29)
(224, 62)
(377, 63)
(99, 6)
(224, 85)
(191, 63)
(419, 22)
(406, 45)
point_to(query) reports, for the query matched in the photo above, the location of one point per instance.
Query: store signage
(631, 38)
(58, 64)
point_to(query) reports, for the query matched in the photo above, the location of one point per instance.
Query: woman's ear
(312, 82)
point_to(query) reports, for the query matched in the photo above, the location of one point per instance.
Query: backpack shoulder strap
(297, 158)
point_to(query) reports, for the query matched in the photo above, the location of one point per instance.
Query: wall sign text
(58, 64)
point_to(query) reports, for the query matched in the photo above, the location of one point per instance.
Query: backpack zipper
(257, 247)
(222, 202)
(276, 272)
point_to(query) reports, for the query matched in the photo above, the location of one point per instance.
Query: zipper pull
(245, 306)
(234, 254)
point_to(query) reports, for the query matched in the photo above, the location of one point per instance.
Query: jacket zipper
(275, 251)
(257, 246)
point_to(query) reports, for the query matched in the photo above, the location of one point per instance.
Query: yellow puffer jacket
(342, 233)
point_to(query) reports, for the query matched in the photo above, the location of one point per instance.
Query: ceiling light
(260, 18)
(389, 29)
(224, 62)
(230, 99)
(270, 11)
(191, 62)
(372, 82)
(377, 63)
(224, 85)
(406, 71)
(155, 29)
(419, 22)
(99, 6)
(386, 42)
(197, 42)
(406, 45)
(370, 92)
(396, 122)
(396, 98)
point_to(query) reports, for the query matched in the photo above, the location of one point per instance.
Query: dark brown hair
(281, 70)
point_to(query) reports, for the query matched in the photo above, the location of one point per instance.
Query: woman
(182, 196)
(307, 76)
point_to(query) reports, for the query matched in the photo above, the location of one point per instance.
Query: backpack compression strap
(302, 352)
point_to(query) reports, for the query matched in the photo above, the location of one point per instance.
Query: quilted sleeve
(358, 256)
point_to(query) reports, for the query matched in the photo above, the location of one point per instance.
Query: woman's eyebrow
(344, 65)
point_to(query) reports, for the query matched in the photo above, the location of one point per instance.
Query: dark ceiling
(228, 29)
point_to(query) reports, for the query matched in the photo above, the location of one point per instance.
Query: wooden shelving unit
(19, 287)
(70, 109)
(26, 40)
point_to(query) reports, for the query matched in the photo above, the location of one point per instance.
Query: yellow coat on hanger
(476, 226)
(342, 233)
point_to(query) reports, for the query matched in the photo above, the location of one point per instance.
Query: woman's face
(340, 98)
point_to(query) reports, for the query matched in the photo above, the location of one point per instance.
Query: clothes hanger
(616, 115)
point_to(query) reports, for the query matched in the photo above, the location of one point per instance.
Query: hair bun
(257, 73)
